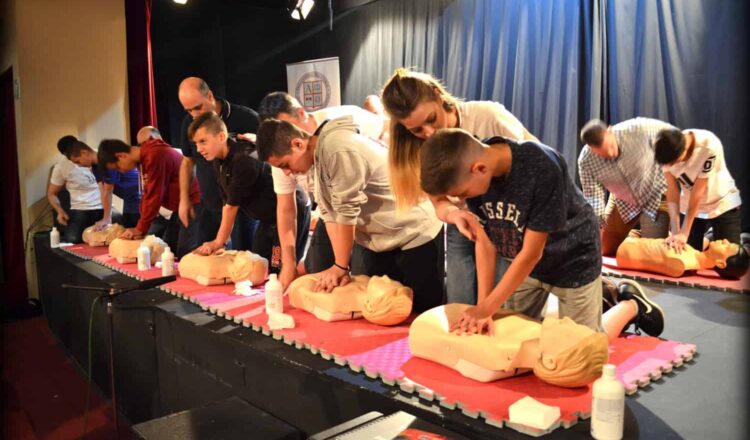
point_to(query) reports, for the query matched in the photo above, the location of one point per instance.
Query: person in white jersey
(85, 198)
(699, 186)
(284, 107)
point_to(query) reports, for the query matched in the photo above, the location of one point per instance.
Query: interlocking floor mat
(382, 353)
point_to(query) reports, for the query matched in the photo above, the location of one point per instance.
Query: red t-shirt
(160, 171)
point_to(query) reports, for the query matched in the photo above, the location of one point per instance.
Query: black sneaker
(650, 317)
(609, 294)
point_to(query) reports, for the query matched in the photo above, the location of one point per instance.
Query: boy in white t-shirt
(699, 186)
(85, 199)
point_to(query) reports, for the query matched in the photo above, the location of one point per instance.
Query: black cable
(88, 387)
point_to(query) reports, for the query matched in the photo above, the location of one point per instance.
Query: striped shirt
(633, 178)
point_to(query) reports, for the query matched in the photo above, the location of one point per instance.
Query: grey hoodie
(352, 188)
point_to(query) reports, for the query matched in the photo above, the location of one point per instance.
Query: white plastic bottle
(144, 257)
(608, 406)
(274, 295)
(54, 237)
(167, 262)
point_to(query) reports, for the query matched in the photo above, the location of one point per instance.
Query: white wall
(70, 59)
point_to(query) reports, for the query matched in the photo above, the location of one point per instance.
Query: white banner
(315, 83)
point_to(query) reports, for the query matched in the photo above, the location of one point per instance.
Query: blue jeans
(462, 268)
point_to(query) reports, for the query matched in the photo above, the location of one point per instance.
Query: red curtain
(13, 289)
(141, 92)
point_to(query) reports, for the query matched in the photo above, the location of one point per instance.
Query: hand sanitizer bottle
(54, 237)
(607, 406)
(167, 262)
(144, 257)
(274, 298)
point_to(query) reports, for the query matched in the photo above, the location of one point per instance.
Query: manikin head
(388, 302)
(600, 139)
(285, 107)
(730, 259)
(81, 154)
(572, 355)
(210, 135)
(94, 238)
(285, 146)
(453, 163)
(196, 97)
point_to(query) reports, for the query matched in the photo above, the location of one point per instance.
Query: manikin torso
(654, 255)
(224, 267)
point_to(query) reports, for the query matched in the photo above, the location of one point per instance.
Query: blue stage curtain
(525, 55)
(685, 62)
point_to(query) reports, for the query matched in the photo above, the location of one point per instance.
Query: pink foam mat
(705, 279)
(382, 353)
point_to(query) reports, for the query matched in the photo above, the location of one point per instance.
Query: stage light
(302, 8)
(180, 2)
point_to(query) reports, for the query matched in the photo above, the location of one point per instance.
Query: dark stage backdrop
(554, 64)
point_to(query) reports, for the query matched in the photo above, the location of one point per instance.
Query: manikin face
(427, 118)
(608, 150)
(210, 145)
(195, 104)
(720, 250)
(298, 161)
(300, 119)
(124, 163)
(559, 335)
(473, 183)
(85, 159)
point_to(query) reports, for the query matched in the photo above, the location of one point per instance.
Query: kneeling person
(245, 184)
(356, 202)
(532, 213)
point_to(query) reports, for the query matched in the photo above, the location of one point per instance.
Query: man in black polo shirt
(197, 98)
(246, 186)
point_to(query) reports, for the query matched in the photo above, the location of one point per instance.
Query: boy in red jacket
(159, 167)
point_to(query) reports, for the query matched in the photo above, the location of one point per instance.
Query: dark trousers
(78, 220)
(127, 219)
(243, 230)
(180, 239)
(726, 226)
(320, 253)
(266, 239)
(421, 268)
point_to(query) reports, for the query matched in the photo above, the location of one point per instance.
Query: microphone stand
(109, 294)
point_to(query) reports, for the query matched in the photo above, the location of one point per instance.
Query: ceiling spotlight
(180, 2)
(301, 8)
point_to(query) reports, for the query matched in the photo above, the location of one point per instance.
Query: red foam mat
(383, 353)
(706, 279)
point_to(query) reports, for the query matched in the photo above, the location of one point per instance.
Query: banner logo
(313, 91)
